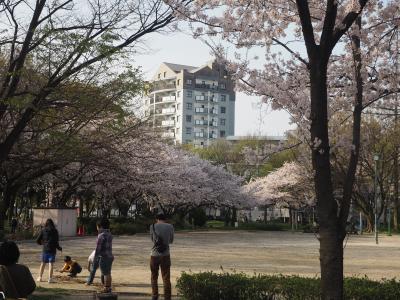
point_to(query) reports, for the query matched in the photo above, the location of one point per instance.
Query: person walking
(162, 235)
(104, 252)
(49, 239)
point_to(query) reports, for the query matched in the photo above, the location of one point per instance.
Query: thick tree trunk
(331, 261)
(331, 235)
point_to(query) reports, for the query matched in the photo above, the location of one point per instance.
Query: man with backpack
(162, 234)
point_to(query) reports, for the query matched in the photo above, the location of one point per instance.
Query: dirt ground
(250, 252)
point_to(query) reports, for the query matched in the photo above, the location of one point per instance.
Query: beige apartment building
(192, 105)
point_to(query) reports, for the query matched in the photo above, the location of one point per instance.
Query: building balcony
(162, 85)
(200, 98)
(214, 124)
(168, 111)
(201, 110)
(168, 99)
(206, 86)
(200, 122)
(168, 123)
(168, 135)
(200, 134)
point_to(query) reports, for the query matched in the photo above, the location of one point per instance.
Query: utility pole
(208, 118)
(376, 158)
(396, 150)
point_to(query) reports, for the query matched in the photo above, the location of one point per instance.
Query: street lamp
(376, 158)
(389, 220)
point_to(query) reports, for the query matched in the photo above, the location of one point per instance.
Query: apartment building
(192, 105)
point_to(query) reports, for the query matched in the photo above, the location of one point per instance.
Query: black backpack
(159, 244)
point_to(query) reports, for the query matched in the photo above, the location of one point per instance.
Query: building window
(178, 131)
(188, 130)
(178, 106)
(223, 109)
(177, 119)
(178, 94)
(222, 121)
(222, 133)
(189, 118)
(188, 141)
(222, 86)
(178, 82)
(188, 81)
(165, 74)
(189, 106)
(223, 98)
(159, 75)
(189, 94)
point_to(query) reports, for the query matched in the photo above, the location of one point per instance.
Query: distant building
(192, 105)
(273, 139)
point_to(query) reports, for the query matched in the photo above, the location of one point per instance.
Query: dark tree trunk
(331, 233)
(233, 216)
(8, 194)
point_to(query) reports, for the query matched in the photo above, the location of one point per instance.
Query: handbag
(159, 244)
(7, 286)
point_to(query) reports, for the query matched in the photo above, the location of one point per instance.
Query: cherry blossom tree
(289, 186)
(312, 34)
(166, 176)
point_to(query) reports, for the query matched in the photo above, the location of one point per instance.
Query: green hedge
(238, 286)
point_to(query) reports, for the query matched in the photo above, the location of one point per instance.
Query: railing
(206, 86)
(168, 123)
(162, 85)
(213, 99)
(200, 98)
(200, 110)
(202, 86)
(168, 99)
(170, 110)
(200, 122)
(200, 134)
(168, 135)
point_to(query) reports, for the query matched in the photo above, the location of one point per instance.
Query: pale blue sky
(183, 49)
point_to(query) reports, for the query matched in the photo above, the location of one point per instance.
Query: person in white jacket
(93, 265)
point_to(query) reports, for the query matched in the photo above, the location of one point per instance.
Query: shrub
(238, 286)
(198, 217)
(89, 223)
(265, 226)
(123, 228)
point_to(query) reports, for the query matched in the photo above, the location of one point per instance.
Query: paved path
(249, 252)
(92, 296)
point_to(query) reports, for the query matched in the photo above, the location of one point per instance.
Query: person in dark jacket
(14, 225)
(16, 280)
(48, 238)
